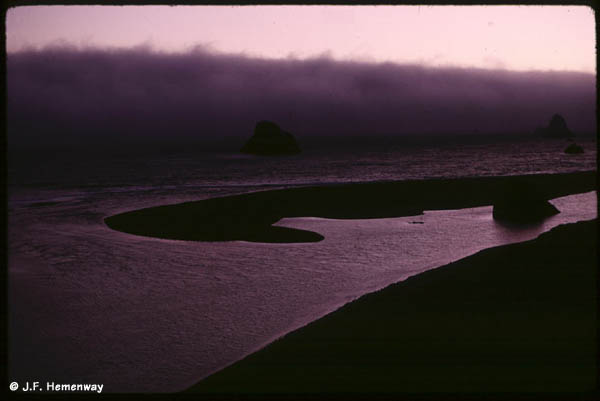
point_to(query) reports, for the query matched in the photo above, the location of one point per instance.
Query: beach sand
(515, 318)
(249, 217)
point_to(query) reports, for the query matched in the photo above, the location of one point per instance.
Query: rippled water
(88, 304)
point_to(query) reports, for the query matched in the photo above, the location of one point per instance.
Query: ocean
(91, 305)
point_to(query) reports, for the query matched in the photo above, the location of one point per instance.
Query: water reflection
(143, 314)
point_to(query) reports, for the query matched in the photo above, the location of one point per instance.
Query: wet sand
(249, 217)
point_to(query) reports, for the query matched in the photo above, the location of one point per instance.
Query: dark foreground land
(250, 216)
(517, 318)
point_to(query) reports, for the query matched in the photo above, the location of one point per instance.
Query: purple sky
(509, 37)
(139, 74)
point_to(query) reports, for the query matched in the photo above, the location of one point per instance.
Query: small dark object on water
(43, 204)
(574, 149)
(522, 203)
(416, 222)
(269, 139)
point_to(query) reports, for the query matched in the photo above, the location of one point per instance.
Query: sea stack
(269, 139)
(521, 203)
(557, 128)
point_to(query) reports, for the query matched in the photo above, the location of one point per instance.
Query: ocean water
(91, 305)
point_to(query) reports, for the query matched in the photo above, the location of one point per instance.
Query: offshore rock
(521, 203)
(574, 149)
(270, 139)
(557, 128)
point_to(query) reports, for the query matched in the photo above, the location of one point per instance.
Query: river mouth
(156, 315)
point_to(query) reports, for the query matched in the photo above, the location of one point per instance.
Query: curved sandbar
(249, 217)
(515, 318)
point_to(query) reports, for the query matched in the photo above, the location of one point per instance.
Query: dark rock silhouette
(557, 128)
(520, 202)
(574, 149)
(270, 139)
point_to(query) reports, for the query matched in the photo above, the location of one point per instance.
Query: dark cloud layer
(71, 96)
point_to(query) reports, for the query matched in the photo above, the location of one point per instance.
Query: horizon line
(205, 50)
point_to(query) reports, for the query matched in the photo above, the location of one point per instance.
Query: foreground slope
(519, 317)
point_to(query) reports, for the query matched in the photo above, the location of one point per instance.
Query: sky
(94, 74)
(494, 37)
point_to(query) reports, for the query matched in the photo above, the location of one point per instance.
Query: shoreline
(518, 317)
(249, 217)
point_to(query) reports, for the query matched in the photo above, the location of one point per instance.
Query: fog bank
(68, 96)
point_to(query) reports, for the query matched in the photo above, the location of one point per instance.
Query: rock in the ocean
(574, 149)
(521, 203)
(269, 139)
(557, 128)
